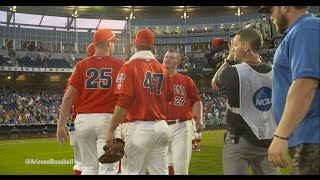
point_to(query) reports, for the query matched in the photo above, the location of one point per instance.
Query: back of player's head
(90, 50)
(102, 35)
(145, 38)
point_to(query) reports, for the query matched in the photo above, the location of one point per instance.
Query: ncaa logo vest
(262, 99)
(255, 100)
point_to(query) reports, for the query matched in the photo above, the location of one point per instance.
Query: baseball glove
(113, 154)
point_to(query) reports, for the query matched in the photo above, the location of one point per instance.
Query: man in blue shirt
(295, 89)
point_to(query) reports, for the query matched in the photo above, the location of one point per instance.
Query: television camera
(220, 47)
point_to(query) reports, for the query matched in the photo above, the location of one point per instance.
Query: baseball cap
(91, 50)
(102, 35)
(145, 37)
(264, 9)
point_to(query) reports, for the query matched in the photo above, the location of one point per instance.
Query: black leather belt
(170, 122)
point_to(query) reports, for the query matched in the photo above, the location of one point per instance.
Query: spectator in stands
(210, 117)
(19, 105)
(296, 92)
(250, 122)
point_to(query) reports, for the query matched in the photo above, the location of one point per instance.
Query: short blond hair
(174, 51)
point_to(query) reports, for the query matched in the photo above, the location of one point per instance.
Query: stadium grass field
(15, 153)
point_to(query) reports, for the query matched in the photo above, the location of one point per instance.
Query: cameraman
(247, 86)
(217, 53)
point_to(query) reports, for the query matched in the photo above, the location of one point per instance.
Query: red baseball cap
(145, 37)
(217, 42)
(91, 50)
(102, 35)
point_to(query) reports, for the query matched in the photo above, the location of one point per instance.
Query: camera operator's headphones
(217, 43)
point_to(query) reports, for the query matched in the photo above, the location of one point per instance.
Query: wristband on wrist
(280, 137)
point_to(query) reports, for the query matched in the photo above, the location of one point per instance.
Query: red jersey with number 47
(95, 80)
(149, 85)
(185, 95)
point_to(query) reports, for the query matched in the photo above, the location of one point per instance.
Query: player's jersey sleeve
(76, 78)
(125, 82)
(193, 92)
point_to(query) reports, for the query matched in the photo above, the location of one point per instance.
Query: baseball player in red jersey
(94, 79)
(144, 87)
(73, 139)
(186, 104)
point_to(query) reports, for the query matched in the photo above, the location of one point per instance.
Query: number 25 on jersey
(98, 78)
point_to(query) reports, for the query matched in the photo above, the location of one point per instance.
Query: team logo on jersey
(262, 99)
(178, 89)
(121, 77)
(119, 86)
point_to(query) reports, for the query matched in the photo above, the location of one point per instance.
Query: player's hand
(199, 126)
(110, 138)
(278, 152)
(62, 134)
(231, 53)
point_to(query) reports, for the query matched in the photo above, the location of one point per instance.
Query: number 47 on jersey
(153, 81)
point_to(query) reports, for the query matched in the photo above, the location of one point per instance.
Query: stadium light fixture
(75, 14)
(13, 8)
(185, 16)
(131, 16)
(238, 13)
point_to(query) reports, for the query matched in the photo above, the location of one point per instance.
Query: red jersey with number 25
(95, 80)
(185, 95)
(149, 85)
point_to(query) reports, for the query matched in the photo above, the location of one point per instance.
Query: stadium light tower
(238, 13)
(13, 8)
(131, 16)
(185, 16)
